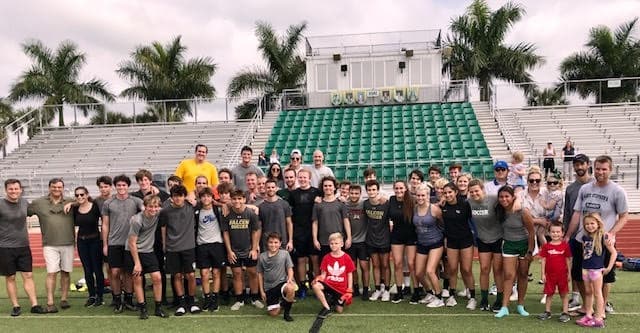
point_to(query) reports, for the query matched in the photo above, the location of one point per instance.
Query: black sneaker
(397, 298)
(496, 307)
(415, 298)
(160, 313)
(180, 311)
(90, 302)
(213, 304)
(119, 308)
(99, 302)
(37, 309)
(365, 294)
(287, 317)
(16, 311)
(406, 291)
(544, 316)
(143, 313)
(324, 313)
(356, 291)
(484, 305)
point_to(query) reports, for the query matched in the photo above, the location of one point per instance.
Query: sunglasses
(534, 181)
(553, 183)
(295, 158)
(79, 195)
(500, 169)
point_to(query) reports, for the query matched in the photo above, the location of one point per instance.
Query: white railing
(247, 137)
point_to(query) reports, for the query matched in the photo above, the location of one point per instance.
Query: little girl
(593, 243)
(517, 170)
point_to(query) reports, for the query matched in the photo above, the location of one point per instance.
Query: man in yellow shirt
(190, 169)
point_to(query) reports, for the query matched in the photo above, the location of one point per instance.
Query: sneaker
(394, 289)
(463, 293)
(129, 305)
(564, 317)
(584, 321)
(376, 295)
(415, 298)
(287, 317)
(472, 303)
(159, 313)
(436, 303)
(496, 307)
(52, 308)
(544, 316)
(451, 301)
(484, 306)
(356, 293)
(302, 293)
(365, 294)
(37, 309)
(324, 313)
(257, 304)
(493, 290)
(397, 298)
(64, 304)
(540, 281)
(406, 291)
(236, 306)
(213, 305)
(194, 309)
(596, 323)
(427, 299)
(504, 311)
(445, 293)
(99, 302)
(386, 296)
(608, 308)
(180, 311)
(522, 311)
(16, 311)
(144, 314)
(543, 300)
(119, 308)
(90, 302)
(574, 304)
(530, 278)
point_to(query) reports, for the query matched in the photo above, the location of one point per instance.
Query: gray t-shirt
(274, 269)
(570, 197)
(513, 227)
(483, 214)
(358, 227)
(120, 213)
(330, 218)
(208, 227)
(13, 223)
(181, 227)
(609, 200)
(240, 226)
(273, 216)
(318, 173)
(239, 173)
(145, 228)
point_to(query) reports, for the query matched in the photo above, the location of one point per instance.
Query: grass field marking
(293, 314)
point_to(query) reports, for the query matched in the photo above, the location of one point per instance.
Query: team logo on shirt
(335, 272)
(556, 252)
(208, 218)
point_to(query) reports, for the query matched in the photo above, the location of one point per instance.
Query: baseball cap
(582, 158)
(296, 151)
(501, 164)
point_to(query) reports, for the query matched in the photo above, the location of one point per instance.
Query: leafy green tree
(546, 96)
(608, 55)
(285, 67)
(477, 49)
(54, 78)
(161, 72)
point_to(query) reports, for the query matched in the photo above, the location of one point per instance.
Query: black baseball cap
(582, 158)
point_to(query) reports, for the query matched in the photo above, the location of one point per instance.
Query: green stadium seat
(399, 155)
(466, 138)
(483, 152)
(480, 144)
(446, 154)
(411, 155)
(435, 154)
(463, 130)
(475, 130)
(468, 144)
(387, 174)
(456, 145)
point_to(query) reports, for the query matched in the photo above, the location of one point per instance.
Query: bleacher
(80, 154)
(394, 139)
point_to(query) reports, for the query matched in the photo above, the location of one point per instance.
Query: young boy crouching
(275, 276)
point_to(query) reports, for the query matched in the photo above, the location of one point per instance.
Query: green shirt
(56, 226)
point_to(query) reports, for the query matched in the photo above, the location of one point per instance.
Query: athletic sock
(472, 293)
(182, 300)
(387, 288)
(452, 292)
(158, 304)
(142, 305)
(377, 287)
(439, 295)
(287, 307)
(445, 284)
(128, 298)
(255, 297)
(407, 281)
(117, 298)
(485, 295)
(499, 297)
(239, 298)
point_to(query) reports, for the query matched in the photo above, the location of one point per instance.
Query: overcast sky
(107, 31)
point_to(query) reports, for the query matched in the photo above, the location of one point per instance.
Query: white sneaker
(257, 304)
(376, 294)
(180, 311)
(472, 303)
(463, 293)
(236, 306)
(436, 303)
(386, 296)
(445, 293)
(514, 294)
(194, 309)
(574, 303)
(493, 290)
(393, 289)
(451, 301)
(427, 299)
(543, 300)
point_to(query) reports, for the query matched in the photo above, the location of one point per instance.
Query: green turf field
(360, 317)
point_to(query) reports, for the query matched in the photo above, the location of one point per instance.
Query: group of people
(297, 228)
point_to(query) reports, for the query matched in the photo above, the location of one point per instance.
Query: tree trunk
(60, 116)
(484, 89)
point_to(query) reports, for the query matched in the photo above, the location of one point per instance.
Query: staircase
(261, 137)
(492, 135)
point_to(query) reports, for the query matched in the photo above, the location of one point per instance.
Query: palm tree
(546, 96)
(53, 76)
(478, 51)
(160, 72)
(285, 68)
(608, 55)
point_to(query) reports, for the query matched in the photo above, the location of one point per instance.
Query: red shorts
(559, 281)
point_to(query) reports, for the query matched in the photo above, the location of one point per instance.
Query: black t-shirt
(400, 222)
(568, 153)
(456, 220)
(87, 223)
(376, 218)
(301, 202)
(240, 226)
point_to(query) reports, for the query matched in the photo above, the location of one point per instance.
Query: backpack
(631, 264)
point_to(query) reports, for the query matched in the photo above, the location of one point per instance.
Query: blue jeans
(90, 251)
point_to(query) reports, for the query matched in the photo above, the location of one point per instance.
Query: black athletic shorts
(459, 244)
(244, 262)
(403, 235)
(211, 255)
(324, 250)
(495, 247)
(611, 276)
(424, 249)
(116, 256)
(15, 259)
(303, 247)
(180, 262)
(332, 296)
(274, 295)
(378, 250)
(358, 251)
(149, 262)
